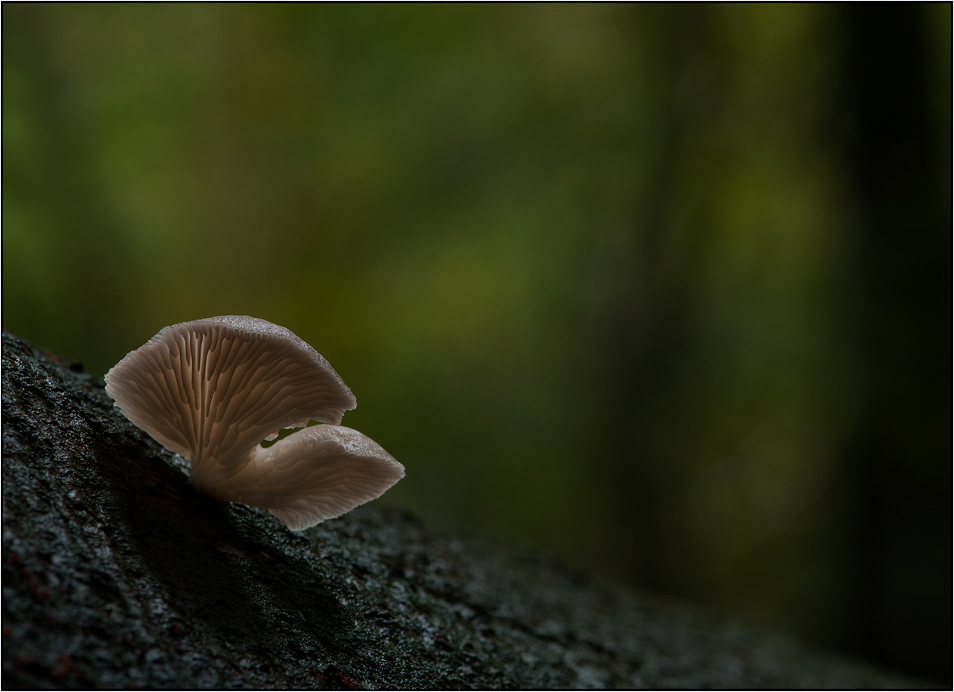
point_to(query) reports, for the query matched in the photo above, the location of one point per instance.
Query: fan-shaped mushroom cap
(213, 389)
(314, 474)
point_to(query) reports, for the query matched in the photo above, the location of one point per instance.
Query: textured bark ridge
(117, 574)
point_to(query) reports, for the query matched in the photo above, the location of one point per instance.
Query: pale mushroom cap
(212, 389)
(312, 475)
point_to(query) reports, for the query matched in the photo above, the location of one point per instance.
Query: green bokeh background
(596, 273)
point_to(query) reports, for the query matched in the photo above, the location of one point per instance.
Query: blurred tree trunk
(901, 160)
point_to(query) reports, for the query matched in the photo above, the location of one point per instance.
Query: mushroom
(211, 390)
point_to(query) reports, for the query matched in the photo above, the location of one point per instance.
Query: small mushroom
(211, 390)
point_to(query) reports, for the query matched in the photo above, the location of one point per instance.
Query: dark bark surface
(116, 574)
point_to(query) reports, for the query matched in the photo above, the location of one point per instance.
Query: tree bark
(116, 573)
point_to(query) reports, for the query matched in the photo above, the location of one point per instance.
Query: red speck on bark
(66, 665)
(19, 661)
(16, 559)
(335, 673)
(29, 578)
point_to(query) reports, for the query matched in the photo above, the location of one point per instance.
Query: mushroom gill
(211, 390)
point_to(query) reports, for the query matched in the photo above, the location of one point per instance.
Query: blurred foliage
(592, 271)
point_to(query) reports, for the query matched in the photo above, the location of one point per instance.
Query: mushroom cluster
(212, 390)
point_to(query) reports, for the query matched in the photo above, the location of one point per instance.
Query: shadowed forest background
(664, 291)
